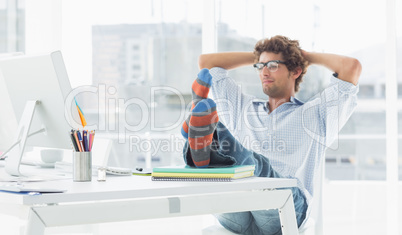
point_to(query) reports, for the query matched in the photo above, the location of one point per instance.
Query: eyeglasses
(272, 65)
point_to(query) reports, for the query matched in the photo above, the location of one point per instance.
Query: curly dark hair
(291, 53)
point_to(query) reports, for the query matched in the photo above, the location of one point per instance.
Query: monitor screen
(43, 79)
(8, 121)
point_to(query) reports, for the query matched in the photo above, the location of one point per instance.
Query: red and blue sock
(199, 127)
(202, 125)
(200, 90)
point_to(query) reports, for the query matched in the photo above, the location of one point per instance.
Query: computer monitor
(8, 124)
(39, 93)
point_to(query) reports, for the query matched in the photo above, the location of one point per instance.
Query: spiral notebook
(187, 173)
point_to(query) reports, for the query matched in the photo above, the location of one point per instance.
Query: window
(241, 23)
(12, 26)
(399, 81)
(146, 53)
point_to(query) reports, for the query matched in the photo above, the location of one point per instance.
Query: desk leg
(35, 224)
(288, 216)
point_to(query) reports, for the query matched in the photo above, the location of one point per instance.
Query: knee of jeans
(267, 222)
(272, 227)
(233, 224)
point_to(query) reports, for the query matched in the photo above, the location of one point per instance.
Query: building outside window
(12, 26)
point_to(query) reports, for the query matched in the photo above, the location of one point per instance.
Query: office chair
(315, 224)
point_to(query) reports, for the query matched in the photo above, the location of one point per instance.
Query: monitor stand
(13, 160)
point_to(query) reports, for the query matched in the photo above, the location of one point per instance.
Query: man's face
(278, 84)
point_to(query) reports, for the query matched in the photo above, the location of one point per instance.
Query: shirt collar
(293, 100)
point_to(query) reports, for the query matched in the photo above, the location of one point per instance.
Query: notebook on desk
(187, 173)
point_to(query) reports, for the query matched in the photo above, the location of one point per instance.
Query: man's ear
(296, 72)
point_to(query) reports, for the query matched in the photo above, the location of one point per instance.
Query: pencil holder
(82, 166)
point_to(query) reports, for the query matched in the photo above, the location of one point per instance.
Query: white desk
(126, 198)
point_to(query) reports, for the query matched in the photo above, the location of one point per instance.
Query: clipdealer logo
(112, 111)
(112, 116)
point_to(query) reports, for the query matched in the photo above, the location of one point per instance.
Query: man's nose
(265, 71)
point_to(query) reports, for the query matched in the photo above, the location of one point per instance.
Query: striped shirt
(295, 135)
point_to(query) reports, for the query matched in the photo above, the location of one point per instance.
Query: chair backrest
(315, 221)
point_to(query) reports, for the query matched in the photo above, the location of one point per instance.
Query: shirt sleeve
(338, 102)
(228, 96)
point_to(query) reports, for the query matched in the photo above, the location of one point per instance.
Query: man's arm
(226, 60)
(347, 68)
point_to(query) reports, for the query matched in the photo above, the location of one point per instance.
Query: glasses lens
(259, 66)
(272, 66)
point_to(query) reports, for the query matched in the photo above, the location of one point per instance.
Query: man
(283, 136)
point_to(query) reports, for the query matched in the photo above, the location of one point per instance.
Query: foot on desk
(200, 90)
(202, 125)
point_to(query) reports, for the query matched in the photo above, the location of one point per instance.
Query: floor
(350, 207)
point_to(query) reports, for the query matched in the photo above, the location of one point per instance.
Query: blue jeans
(226, 150)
